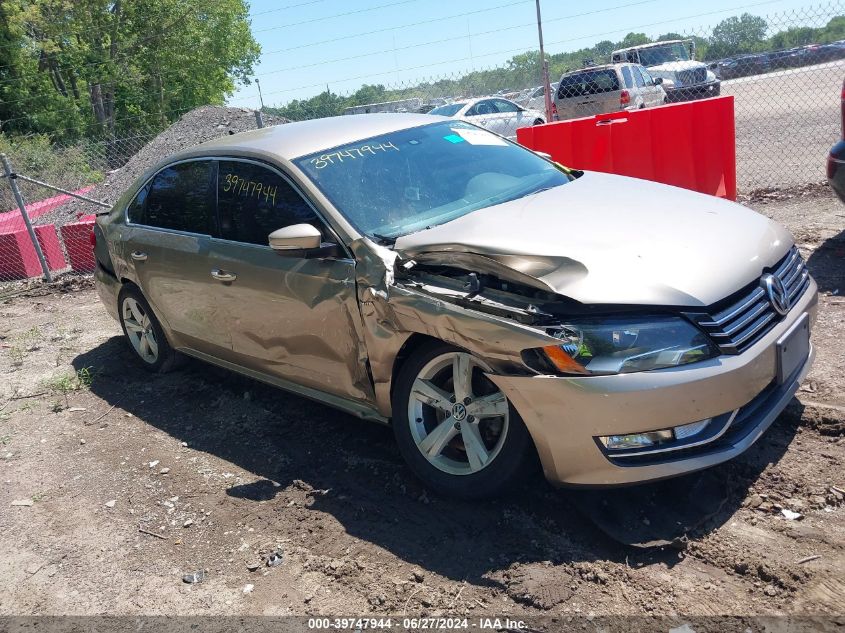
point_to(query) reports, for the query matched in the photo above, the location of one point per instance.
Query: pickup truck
(684, 79)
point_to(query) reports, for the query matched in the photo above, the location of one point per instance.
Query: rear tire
(538, 122)
(143, 331)
(461, 437)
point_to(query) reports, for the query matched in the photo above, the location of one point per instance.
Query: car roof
(600, 67)
(291, 140)
(650, 45)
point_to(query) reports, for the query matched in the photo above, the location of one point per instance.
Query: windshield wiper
(386, 240)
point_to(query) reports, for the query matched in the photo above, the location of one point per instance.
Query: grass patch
(23, 344)
(68, 383)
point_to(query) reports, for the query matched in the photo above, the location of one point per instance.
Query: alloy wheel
(139, 330)
(458, 417)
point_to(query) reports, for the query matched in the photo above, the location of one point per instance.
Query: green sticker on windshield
(454, 138)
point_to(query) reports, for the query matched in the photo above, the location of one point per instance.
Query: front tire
(143, 331)
(454, 427)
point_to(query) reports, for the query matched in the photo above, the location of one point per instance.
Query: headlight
(621, 345)
(710, 76)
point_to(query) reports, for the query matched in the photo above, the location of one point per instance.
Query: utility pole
(260, 97)
(545, 66)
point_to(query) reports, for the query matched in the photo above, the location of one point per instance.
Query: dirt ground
(116, 483)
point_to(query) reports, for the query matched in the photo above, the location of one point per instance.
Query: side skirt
(352, 407)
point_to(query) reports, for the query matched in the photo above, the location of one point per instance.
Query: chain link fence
(785, 72)
(47, 203)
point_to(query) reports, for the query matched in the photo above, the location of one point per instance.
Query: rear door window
(505, 106)
(589, 82)
(253, 201)
(180, 199)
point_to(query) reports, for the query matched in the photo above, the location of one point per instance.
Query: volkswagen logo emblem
(459, 412)
(776, 292)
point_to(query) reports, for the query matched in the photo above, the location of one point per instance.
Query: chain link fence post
(10, 176)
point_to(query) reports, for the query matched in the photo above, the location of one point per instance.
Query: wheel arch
(411, 345)
(165, 325)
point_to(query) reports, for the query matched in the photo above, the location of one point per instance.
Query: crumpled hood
(673, 67)
(605, 239)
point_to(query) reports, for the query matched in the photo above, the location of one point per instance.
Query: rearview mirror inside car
(295, 237)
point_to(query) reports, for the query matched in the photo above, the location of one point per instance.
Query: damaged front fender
(397, 304)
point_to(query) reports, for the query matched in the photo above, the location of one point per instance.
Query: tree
(833, 31)
(634, 39)
(667, 37)
(116, 66)
(736, 35)
(795, 36)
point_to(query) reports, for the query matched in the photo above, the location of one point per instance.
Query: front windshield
(450, 109)
(406, 181)
(657, 55)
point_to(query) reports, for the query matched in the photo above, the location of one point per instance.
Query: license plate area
(793, 348)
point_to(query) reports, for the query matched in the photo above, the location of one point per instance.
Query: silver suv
(490, 305)
(603, 89)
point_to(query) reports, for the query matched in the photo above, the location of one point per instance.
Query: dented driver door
(290, 317)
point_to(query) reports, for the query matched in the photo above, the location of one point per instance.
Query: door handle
(222, 275)
(138, 256)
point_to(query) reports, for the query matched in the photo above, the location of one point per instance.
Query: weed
(68, 383)
(24, 343)
(16, 355)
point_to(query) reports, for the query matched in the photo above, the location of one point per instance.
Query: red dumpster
(77, 239)
(18, 259)
(689, 145)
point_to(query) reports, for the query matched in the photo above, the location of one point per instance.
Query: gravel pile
(195, 127)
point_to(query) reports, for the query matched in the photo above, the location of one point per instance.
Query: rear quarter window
(180, 198)
(135, 212)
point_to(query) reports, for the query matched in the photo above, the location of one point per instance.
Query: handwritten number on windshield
(351, 153)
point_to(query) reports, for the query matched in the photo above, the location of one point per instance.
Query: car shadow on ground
(827, 264)
(285, 440)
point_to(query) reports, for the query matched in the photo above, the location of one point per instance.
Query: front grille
(747, 319)
(694, 76)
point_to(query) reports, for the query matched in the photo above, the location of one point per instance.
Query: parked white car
(494, 113)
(536, 98)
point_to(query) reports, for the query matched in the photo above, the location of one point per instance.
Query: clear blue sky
(307, 44)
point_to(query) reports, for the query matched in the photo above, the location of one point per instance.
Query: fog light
(636, 440)
(688, 430)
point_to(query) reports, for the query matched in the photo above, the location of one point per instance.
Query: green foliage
(105, 68)
(37, 157)
(736, 35)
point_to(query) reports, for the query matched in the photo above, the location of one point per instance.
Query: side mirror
(658, 81)
(296, 237)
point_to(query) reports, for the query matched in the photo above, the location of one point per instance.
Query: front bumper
(690, 93)
(836, 169)
(565, 414)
